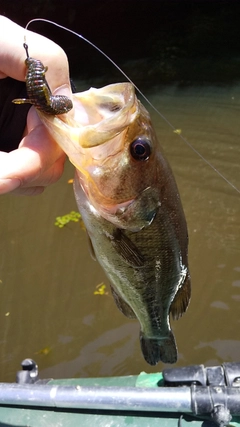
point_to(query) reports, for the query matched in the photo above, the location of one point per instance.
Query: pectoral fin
(122, 305)
(182, 298)
(127, 249)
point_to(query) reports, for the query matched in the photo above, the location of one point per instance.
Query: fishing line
(139, 91)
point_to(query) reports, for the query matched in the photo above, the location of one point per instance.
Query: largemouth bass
(130, 204)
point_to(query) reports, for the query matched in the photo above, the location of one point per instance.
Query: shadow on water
(48, 309)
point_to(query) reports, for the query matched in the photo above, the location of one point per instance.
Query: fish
(130, 204)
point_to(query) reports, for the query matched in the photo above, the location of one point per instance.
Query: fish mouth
(100, 116)
(95, 134)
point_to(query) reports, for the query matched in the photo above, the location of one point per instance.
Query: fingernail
(8, 184)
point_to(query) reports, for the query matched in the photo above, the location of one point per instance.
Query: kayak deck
(114, 401)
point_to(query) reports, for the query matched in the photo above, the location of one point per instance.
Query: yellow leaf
(178, 131)
(70, 181)
(44, 351)
(100, 289)
(7, 314)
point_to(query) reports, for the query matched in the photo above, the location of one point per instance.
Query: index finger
(28, 165)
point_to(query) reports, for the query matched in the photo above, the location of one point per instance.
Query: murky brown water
(48, 279)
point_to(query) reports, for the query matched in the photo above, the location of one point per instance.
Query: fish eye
(140, 149)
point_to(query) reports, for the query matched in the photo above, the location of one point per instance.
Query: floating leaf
(45, 351)
(178, 131)
(70, 181)
(7, 314)
(100, 289)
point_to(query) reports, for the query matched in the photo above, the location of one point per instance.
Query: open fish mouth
(100, 115)
(94, 137)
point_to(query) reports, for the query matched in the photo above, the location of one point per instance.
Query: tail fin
(155, 350)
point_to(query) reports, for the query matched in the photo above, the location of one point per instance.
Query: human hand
(38, 161)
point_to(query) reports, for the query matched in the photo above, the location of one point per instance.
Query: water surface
(48, 310)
